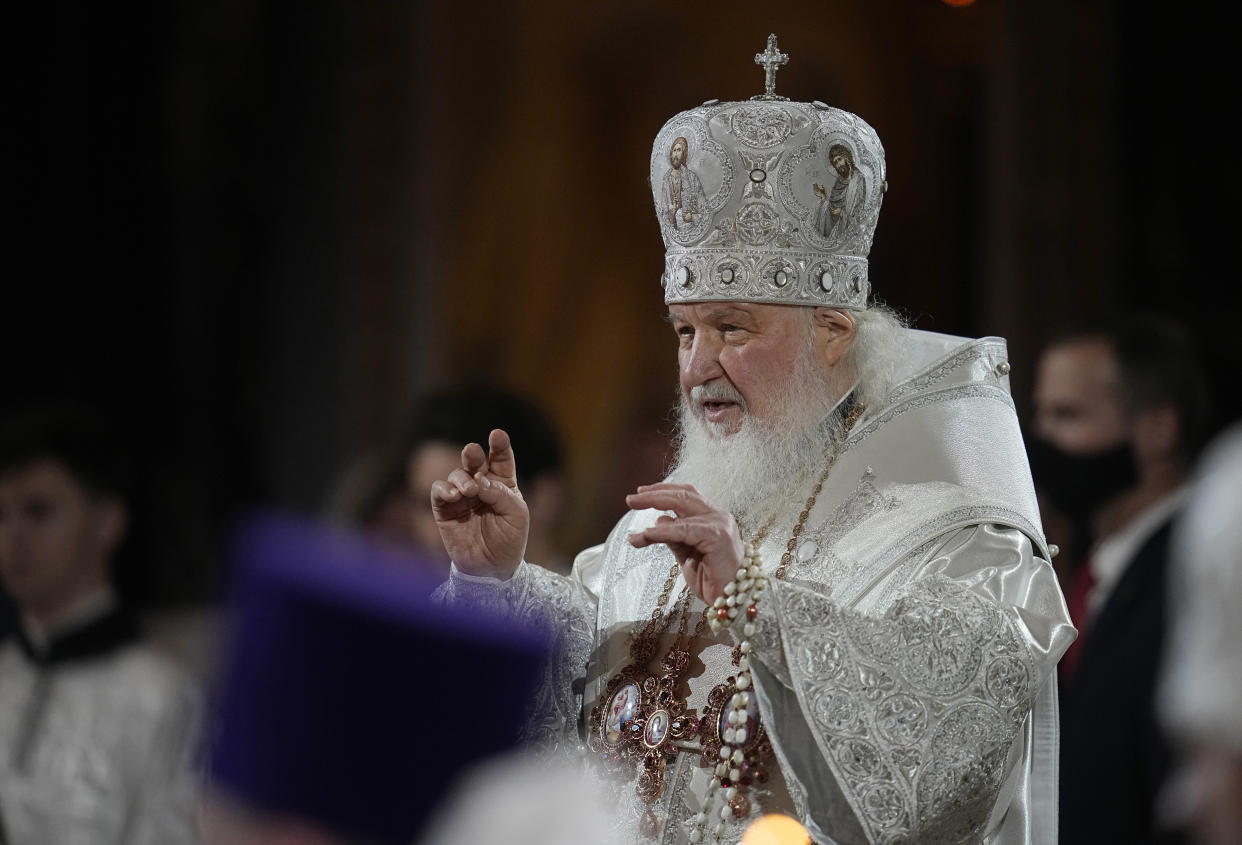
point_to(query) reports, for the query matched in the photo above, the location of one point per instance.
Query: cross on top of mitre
(770, 60)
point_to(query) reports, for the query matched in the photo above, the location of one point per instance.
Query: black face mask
(1078, 484)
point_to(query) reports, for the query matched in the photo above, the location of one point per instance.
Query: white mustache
(716, 391)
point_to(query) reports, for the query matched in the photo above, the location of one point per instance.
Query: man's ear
(835, 329)
(1157, 431)
(112, 523)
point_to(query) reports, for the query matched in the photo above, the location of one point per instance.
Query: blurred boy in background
(96, 729)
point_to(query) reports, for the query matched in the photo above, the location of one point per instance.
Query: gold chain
(787, 556)
(762, 532)
(668, 588)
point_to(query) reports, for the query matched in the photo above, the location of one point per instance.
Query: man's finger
(472, 459)
(689, 532)
(666, 498)
(464, 482)
(665, 485)
(443, 493)
(500, 497)
(500, 459)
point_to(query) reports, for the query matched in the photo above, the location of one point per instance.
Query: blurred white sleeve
(1201, 691)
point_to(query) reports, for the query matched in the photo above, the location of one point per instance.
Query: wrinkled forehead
(1083, 367)
(1093, 355)
(716, 310)
(692, 309)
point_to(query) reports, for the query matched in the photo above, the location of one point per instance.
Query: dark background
(254, 231)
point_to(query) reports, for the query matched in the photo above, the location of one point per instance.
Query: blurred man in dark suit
(1119, 410)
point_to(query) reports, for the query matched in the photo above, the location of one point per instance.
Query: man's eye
(39, 510)
(729, 327)
(685, 331)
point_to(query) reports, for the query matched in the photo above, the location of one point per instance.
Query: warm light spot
(776, 830)
(958, 2)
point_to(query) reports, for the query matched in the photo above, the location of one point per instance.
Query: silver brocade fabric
(905, 669)
(97, 751)
(767, 201)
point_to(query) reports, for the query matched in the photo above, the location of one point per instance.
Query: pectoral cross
(770, 59)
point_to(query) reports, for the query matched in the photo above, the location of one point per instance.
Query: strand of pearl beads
(740, 602)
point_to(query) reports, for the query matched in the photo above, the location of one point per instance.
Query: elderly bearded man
(839, 604)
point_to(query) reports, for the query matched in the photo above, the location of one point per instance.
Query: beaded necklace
(640, 717)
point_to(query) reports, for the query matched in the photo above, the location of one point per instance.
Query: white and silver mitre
(767, 200)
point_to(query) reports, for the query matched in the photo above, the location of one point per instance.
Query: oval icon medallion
(657, 728)
(621, 711)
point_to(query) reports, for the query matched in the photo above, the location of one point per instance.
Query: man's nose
(702, 362)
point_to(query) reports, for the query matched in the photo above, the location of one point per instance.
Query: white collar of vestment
(85, 609)
(1113, 554)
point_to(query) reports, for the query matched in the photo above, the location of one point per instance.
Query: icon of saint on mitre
(840, 203)
(683, 199)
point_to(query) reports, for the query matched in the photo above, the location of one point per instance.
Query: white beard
(765, 467)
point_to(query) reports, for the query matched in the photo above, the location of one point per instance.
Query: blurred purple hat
(346, 696)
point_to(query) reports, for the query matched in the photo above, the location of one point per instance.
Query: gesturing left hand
(704, 539)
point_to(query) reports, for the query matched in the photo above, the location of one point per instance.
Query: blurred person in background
(378, 492)
(96, 729)
(373, 498)
(444, 420)
(1201, 685)
(1120, 409)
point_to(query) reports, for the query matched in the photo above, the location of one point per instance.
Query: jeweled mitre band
(767, 200)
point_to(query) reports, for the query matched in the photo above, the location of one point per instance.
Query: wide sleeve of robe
(910, 722)
(564, 607)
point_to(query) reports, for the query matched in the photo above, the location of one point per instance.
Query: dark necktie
(1076, 595)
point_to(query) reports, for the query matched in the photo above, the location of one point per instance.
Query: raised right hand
(479, 510)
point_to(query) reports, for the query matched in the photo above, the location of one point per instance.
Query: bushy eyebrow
(717, 313)
(731, 312)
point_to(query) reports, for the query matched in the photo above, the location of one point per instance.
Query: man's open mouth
(715, 410)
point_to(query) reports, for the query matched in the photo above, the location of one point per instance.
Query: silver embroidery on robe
(559, 606)
(916, 709)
